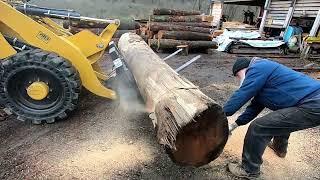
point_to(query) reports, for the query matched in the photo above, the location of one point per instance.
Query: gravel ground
(103, 140)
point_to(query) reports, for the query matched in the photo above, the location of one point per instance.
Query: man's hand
(232, 127)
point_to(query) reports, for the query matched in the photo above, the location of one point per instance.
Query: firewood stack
(169, 28)
(97, 27)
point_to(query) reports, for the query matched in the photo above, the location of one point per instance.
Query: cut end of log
(198, 142)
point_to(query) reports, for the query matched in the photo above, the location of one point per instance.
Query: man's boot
(279, 148)
(238, 171)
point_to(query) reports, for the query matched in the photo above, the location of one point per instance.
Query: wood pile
(169, 28)
(235, 25)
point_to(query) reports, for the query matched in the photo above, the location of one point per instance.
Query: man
(293, 97)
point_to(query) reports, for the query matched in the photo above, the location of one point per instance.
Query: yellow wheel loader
(43, 66)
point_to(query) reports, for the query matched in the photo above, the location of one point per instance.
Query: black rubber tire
(64, 77)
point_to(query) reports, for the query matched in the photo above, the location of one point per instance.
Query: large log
(172, 44)
(163, 11)
(194, 24)
(169, 18)
(184, 35)
(190, 125)
(119, 33)
(153, 26)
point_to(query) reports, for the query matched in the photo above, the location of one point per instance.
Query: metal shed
(306, 8)
(279, 13)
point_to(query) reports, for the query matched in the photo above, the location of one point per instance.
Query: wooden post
(264, 17)
(216, 12)
(190, 125)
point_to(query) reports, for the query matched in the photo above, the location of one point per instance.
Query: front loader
(43, 66)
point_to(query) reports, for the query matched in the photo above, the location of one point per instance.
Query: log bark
(172, 44)
(169, 27)
(190, 125)
(184, 35)
(163, 11)
(119, 33)
(124, 25)
(169, 18)
(194, 24)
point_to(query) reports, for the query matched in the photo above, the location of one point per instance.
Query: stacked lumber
(235, 25)
(169, 28)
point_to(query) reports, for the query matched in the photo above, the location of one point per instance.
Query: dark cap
(240, 64)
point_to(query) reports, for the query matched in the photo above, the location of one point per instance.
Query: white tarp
(225, 39)
(263, 44)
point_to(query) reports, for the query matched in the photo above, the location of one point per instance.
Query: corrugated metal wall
(306, 8)
(277, 14)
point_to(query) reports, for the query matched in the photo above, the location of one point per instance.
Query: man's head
(240, 67)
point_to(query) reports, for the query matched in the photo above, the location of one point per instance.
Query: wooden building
(275, 13)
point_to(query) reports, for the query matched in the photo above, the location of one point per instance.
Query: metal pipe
(173, 54)
(65, 14)
(188, 63)
(264, 17)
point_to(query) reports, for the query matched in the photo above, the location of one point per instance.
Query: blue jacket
(271, 85)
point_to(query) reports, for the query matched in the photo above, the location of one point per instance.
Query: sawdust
(96, 162)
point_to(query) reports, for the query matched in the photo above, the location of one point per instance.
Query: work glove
(232, 127)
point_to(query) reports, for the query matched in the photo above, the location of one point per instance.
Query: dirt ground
(103, 140)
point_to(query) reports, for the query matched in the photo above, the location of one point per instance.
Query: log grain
(155, 27)
(184, 35)
(164, 11)
(191, 126)
(194, 24)
(172, 44)
(169, 18)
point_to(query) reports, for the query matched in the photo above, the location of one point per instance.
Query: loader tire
(57, 74)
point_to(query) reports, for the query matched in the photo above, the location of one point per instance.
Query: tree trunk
(194, 24)
(169, 27)
(163, 11)
(189, 124)
(172, 44)
(184, 35)
(168, 18)
(119, 33)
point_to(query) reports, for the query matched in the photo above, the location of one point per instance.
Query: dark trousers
(277, 124)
